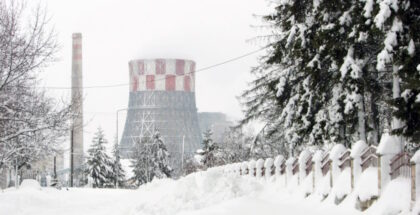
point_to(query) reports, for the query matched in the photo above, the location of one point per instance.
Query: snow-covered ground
(209, 192)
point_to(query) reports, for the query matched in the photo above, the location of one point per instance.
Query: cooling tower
(162, 98)
(77, 99)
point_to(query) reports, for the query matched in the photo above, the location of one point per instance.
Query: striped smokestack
(77, 99)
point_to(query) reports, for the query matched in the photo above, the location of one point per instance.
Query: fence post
(331, 176)
(352, 173)
(285, 173)
(413, 182)
(259, 168)
(268, 165)
(313, 176)
(379, 175)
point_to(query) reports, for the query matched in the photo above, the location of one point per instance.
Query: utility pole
(117, 161)
(147, 163)
(71, 159)
(117, 156)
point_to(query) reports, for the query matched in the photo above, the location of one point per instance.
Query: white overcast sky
(114, 32)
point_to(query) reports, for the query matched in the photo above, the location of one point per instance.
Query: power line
(198, 70)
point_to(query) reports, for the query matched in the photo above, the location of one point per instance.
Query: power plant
(76, 153)
(162, 98)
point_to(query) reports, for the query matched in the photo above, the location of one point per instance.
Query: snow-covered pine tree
(118, 173)
(399, 22)
(160, 158)
(151, 160)
(332, 68)
(99, 164)
(141, 162)
(349, 52)
(211, 155)
(293, 81)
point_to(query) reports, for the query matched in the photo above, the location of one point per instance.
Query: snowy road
(115, 202)
(203, 193)
(74, 201)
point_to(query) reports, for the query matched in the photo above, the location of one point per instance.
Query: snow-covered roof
(357, 148)
(268, 162)
(336, 151)
(389, 144)
(416, 157)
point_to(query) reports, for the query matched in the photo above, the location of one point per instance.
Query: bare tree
(31, 124)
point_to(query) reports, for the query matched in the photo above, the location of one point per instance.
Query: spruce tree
(141, 163)
(209, 150)
(336, 71)
(400, 57)
(160, 158)
(151, 160)
(99, 164)
(118, 173)
(292, 83)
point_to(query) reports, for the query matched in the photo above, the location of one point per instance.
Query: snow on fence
(345, 160)
(269, 167)
(387, 158)
(400, 165)
(325, 164)
(369, 158)
(295, 167)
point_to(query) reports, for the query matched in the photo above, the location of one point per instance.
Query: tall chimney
(77, 99)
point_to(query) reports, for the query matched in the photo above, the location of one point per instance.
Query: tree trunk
(375, 118)
(396, 123)
(361, 117)
(396, 92)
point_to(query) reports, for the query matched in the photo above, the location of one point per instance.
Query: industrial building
(217, 122)
(162, 98)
